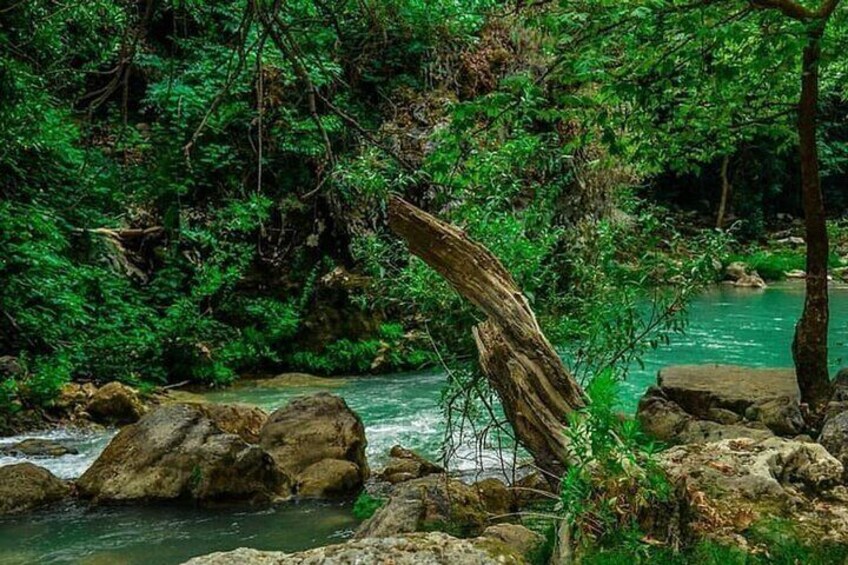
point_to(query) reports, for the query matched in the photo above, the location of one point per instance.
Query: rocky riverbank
(740, 454)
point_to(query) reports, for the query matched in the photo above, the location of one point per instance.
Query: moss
(542, 554)
(366, 505)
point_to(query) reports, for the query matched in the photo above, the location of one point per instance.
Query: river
(727, 325)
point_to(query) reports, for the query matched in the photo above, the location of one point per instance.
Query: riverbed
(727, 325)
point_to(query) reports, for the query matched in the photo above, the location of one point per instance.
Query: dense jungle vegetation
(195, 190)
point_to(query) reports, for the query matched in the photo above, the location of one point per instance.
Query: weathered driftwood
(536, 390)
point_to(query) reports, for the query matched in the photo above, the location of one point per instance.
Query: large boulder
(731, 484)
(316, 429)
(432, 548)
(699, 388)
(115, 403)
(176, 452)
(25, 486)
(404, 465)
(436, 502)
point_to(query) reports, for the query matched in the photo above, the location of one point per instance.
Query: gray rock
(666, 421)
(660, 417)
(723, 416)
(782, 415)
(177, 453)
(522, 540)
(432, 502)
(25, 486)
(834, 436)
(35, 447)
(312, 429)
(115, 403)
(699, 388)
(405, 465)
(840, 385)
(705, 431)
(731, 484)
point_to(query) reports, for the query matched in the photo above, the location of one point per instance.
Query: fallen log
(536, 390)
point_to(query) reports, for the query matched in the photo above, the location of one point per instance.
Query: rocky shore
(739, 452)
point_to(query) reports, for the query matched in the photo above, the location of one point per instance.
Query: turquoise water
(165, 535)
(739, 326)
(728, 325)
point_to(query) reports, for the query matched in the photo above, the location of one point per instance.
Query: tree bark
(536, 390)
(809, 348)
(725, 192)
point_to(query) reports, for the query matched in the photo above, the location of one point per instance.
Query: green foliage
(8, 396)
(773, 265)
(614, 478)
(101, 132)
(257, 162)
(391, 351)
(366, 505)
(774, 547)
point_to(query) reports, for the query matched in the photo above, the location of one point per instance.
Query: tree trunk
(725, 192)
(536, 390)
(809, 348)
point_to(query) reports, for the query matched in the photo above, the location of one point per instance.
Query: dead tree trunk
(536, 390)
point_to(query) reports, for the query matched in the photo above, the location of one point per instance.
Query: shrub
(366, 505)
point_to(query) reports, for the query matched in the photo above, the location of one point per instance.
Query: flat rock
(434, 548)
(298, 380)
(699, 388)
(35, 447)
